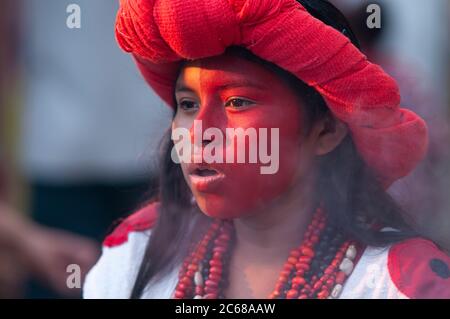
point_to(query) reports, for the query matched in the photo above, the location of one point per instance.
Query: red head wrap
(161, 33)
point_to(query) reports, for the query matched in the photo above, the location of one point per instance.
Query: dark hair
(351, 194)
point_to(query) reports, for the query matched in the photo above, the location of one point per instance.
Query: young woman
(321, 225)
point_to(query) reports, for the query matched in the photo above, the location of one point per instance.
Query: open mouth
(205, 178)
(204, 172)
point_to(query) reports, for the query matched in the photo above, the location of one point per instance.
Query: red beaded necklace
(318, 268)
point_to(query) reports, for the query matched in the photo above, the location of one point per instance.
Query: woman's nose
(210, 117)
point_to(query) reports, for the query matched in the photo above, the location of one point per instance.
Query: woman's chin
(216, 206)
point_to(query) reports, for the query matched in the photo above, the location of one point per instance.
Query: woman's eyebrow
(230, 85)
(241, 83)
(183, 88)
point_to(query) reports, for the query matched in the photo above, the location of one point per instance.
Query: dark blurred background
(79, 129)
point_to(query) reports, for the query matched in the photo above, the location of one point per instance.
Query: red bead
(216, 270)
(219, 241)
(343, 249)
(282, 278)
(279, 286)
(317, 285)
(330, 283)
(195, 260)
(219, 250)
(221, 247)
(215, 277)
(339, 255)
(274, 295)
(186, 280)
(299, 281)
(288, 267)
(323, 294)
(179, 294)
(292, 294)
(303, 266)
(190, 273)
(215, 263)
(224, 237)
(211, 283)
(182, 287)
(329, 270)
(300, 273)
(340, 278)
(298, 261)
(305, 259)
(335, 263)
(210, 290)
(217, 256)
(307, 251)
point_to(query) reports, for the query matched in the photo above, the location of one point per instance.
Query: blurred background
(79, 129)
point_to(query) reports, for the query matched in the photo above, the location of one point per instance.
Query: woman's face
(225, 93)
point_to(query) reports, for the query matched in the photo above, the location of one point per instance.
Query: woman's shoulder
(140, 221)
(420, 269)
(114, 273)
(414, 268)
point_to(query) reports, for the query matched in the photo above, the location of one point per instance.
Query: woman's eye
(238, 103)
(187, 105)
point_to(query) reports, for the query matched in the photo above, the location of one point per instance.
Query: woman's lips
(205, 179)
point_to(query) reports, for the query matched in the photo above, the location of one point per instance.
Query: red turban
(162, 33)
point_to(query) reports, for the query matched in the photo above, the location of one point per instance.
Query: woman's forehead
(225, 67)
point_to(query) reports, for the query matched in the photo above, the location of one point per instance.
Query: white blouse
(414, 268)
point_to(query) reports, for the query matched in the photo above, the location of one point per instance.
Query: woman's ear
(330, 133)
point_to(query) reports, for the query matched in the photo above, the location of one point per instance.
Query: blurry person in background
(427, 207)
(89, 130)
(27, 248)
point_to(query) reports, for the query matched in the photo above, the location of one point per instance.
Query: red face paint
(239, 189)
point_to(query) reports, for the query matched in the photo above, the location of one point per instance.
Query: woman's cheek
(246, 189)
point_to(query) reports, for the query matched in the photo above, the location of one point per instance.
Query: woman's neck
(264, 241)
(277, 229)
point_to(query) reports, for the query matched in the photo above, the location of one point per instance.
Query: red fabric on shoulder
(419, 269)
(141, 220)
